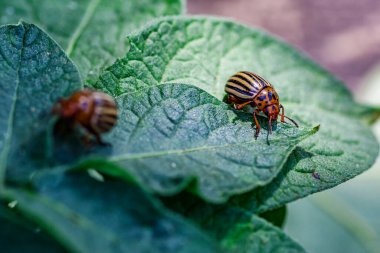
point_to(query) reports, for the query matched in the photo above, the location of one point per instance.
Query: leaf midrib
(119, 158)
(201, 148)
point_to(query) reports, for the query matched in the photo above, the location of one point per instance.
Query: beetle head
(64, 108)
(272, 111)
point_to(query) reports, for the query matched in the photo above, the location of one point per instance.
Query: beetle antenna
(295, 123)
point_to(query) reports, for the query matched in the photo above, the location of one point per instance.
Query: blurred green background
(345, 218)
(341, 35)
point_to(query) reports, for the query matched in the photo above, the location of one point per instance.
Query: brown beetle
(95, 111)
(246, 88)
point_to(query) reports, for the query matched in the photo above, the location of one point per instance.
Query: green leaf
(17, 235)
(87, 215)
(241, 232)
(205, 51)
(170, 134)
(91, 31)
(333, 154)
(344, 219)
(343, 148)
(34, 72)
(237, 230)
(167, 136)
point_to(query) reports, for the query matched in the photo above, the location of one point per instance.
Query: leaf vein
(82, 25)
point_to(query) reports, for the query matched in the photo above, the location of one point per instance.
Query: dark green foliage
(19, 235)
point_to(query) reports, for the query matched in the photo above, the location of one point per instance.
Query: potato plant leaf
(171, 134)
(205, 51)
(343, 148)
(88, 215)
(167, 136)
(34, 72)
(91, 31)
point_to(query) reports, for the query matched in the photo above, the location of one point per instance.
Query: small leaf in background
(369, 90)
(174, 133)
(17, 235)
(237, 230)
(87, 215)
(242, 232)
(206, 51)
(34, 72)
(346, 218)
(92, 32)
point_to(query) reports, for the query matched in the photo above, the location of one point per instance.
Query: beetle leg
(282, 113)
(231, 99)
(98, 138)
(257, 123)
(241, 106)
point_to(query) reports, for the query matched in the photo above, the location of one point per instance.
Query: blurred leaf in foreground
(34, 73)
(88, 215)
(17, 235)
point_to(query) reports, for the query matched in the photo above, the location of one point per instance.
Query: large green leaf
(206, 51)
(92, 31)
(17, 235)
(88, 215)
(166, 136)
(170, 134)
(34, 72)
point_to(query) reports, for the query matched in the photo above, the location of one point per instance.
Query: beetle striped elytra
(93, 110)
(246, 88)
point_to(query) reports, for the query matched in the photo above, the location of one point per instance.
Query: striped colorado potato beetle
(93, 110)
(246, 88)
